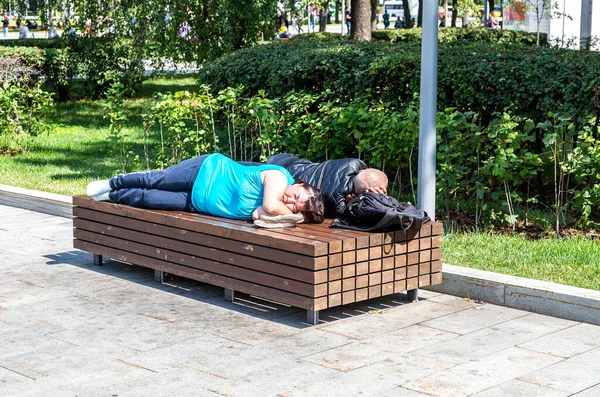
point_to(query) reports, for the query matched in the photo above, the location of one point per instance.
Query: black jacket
(335, 178)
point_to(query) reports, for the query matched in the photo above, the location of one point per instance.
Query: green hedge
(100, 61)
(480, 77)
(462, 36)
(33, 57)
(39, 43)
(312, 63)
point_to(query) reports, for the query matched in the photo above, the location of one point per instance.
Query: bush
(480, 77)
(22, 101)
(531, 81)
(100, 61)
(37, 43)
(462, 36)
(310, 64)
(51, 62)
(28, 57)
(105, 61)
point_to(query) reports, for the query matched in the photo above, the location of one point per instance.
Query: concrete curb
(536, 296)
(542, 297)
(47, 203)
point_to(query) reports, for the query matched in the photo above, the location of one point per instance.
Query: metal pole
(428, 110)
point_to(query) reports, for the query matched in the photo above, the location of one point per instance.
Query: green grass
(572, 261)
(77, 152)
(74, 153)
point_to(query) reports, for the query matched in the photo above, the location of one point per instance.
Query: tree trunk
(240, 33)
(407, 16)
(374, 15)
(361, 20)
(445, 13)
(338, 11)
(420, 15)
(454, 4)
(323, 17)
(537, 36)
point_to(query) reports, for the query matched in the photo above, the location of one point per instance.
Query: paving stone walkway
(68, 328)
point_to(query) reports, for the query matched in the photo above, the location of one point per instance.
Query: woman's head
(305, 199)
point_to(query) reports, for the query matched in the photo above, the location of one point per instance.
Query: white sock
(102, 197)
(98, 187)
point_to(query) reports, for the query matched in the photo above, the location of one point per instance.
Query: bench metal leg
(159, 276)
(97, 260)
(412, 294)
(229, 295)
(312, 317)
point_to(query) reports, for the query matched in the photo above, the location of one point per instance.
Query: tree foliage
(192, 31)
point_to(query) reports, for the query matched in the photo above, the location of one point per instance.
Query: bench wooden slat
(301, 231)
(361, 238)
(349, 242)
(254, 250)
(262, 265)
(205, 276)
(216, 267)
(335, 244)
(210, 225)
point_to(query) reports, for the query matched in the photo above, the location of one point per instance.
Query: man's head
(370, 180)
(305, 199)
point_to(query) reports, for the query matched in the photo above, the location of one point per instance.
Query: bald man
(369, 180)
(339, 180)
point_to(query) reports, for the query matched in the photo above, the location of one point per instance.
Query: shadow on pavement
(213, 295)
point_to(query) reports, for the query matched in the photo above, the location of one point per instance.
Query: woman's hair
(315, 206)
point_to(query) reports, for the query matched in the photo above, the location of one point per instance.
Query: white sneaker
(98, 187)
(102, 197)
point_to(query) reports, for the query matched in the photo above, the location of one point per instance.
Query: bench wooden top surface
(305, 239)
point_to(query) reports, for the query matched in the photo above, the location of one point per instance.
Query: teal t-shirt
(228, 189)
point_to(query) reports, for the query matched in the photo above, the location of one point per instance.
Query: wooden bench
(312, 267)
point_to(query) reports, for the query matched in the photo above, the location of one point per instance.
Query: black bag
(373, 212)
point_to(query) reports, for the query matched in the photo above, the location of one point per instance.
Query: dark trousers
(168, 189)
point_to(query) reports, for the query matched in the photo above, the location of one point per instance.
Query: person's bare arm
(258, 212)
(274, 183)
